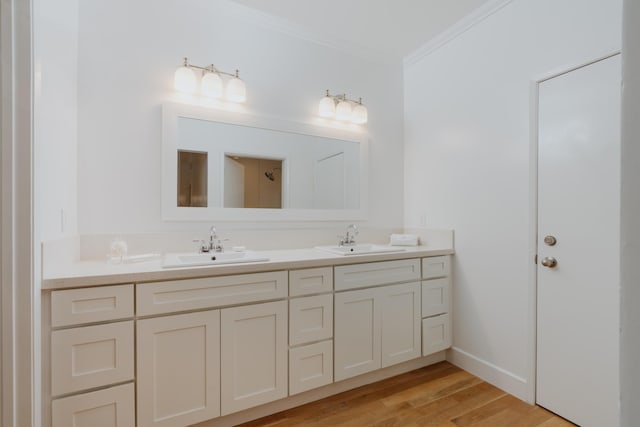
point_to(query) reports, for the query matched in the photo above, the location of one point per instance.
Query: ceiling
(386, 29)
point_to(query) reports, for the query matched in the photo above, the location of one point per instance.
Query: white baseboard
(490, 373)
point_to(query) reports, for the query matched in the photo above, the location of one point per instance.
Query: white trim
(455, 30)
(17, 282)
(489, 372)
(532, 307)
(275, 23)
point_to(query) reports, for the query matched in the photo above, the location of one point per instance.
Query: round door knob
(549, 262)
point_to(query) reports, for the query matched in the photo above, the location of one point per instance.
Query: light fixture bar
(210, 82)
(212, 69)
(342, 108)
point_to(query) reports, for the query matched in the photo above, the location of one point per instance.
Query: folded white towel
(404, 240)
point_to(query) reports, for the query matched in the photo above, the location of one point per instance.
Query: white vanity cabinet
(377, 326)
(178, 369)
(91, 347)
(310, 329)
(184, 351)
(436, 305)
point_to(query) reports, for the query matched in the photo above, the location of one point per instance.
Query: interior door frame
(532, 315)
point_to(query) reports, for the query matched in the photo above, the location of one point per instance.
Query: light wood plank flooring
(440, 395)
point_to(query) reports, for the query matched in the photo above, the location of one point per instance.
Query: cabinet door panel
(78, 306)
(91, 356)
(437, 266)
(435, 296)
(254, 355)
(178, 369)
(400, 323)
(209, 292)
(311, 319)
(376, 273)
(357, 333)
(310, 281)
(436, 334)
(112, 407)
(310, 366)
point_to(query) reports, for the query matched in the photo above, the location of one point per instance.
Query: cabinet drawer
(437, 266)
(436, 334)
(310, 281)
(310, 319)
(91, 356)
(192, 294)
(78, 306)
(113, 407)
(376, 273)
(310, 366)
(435, 296)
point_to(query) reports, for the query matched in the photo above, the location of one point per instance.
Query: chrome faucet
(214, 244)
(350, 238)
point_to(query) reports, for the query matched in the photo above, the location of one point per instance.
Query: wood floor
(438, 395)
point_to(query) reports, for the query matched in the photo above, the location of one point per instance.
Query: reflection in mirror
(192, 178)
(251, 182)
(259, 168)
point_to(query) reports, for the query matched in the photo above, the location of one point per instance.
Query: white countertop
(96, 273)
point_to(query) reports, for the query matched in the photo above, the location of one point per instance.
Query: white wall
(467, 164)
(128, 52)
(55, 117)
(630, 231)
(55, 49)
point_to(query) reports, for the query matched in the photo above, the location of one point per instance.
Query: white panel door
(178, 364)
(254, 355)
(578, 202)
(357, 335)
(400, 322)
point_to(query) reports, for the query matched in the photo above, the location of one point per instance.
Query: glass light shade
(327, 107)
(185, 80)
(359, 115)
(236, 90)
(343, 110)
(211, 85)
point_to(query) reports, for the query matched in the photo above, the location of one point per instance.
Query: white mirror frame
(171, 112)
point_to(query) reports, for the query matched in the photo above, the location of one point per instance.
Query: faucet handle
(202, 245)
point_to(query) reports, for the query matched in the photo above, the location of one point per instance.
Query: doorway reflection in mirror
(192, 178)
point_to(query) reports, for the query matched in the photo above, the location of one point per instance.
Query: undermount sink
(359, 249)
(210, 258)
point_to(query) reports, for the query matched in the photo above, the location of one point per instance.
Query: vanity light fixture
(211, 84)
(342, 108)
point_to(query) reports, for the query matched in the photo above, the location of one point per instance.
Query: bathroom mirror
(234, 166)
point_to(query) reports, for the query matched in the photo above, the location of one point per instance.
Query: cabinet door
(357, 333)
(400, 322)
(178, 369)
(254, 355)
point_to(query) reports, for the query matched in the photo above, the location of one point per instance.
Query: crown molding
(288, 28)
(466, 23)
